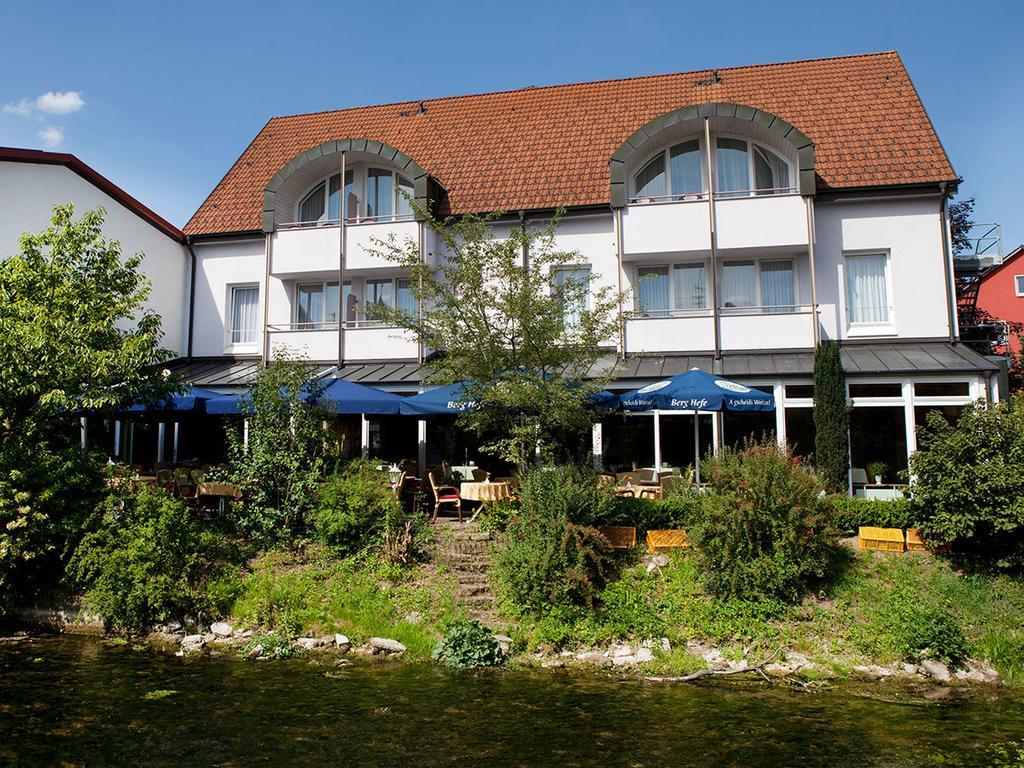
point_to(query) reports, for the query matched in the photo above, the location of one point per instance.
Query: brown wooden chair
(479, 475)
(445, 494)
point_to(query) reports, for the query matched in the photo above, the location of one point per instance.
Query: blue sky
(172, 92)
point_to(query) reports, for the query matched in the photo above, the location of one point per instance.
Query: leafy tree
(831, 418)
(961, 219)
(969, 489)
(512, 319)
(74, 334)
(288, 451)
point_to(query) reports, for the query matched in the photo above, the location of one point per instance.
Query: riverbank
(655, 620)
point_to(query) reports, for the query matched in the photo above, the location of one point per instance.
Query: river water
(77, 701)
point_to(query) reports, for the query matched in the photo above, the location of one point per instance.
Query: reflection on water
(77, 701)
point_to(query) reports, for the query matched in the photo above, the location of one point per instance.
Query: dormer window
(742, 168)
(384, 199)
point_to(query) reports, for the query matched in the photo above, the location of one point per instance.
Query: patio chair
(647, 475)
(479, 475)
(445, 494)
(397, 487)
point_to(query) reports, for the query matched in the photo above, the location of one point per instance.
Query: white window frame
(759, 308)
(230, 345)
(885, 328)
(668, 197)
(321, 326)
(671, 311)
(1018, 285)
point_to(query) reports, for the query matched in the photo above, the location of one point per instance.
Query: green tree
(831, 418)
(288, 451)
(969, 489)
(74, 335)
(513, 318)
(961, 219)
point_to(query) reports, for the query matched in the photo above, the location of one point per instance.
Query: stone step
(468, 560)
(480, 601)
(471, 577)
(473, 590)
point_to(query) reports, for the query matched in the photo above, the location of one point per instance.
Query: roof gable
(538, 148)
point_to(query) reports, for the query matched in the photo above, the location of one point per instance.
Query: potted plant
(876, 469)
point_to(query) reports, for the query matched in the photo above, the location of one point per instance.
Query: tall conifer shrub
(831, 417)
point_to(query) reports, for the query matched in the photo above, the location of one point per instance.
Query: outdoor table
(484, 492)
(626, 490)
(223, 492)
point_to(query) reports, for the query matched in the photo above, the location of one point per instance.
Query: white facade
(28, 193)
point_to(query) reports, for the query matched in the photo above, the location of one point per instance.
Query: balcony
(376, 342)
(319, 343)
(659, 226)
(739, 329)
(303, 249)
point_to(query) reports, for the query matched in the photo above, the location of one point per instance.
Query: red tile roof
(94, 177)
(544, 147)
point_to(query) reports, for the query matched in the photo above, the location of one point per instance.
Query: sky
(163, 97)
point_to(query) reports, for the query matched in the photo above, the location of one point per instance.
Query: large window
(244, 314)
(664, 290)
(316, 305)
(405, 297)
(867, 289)
(574, 304)
(768, 286)
(388, 195)
(742, 168)
(319, 206)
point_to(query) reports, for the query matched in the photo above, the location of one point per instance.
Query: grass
(878, 609)
(360, 597)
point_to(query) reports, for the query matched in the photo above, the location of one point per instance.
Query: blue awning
(452, 399)
(191, 399)
(695, 390)
(339, 396)
(343, 396)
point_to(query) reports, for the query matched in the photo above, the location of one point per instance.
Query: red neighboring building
(1001, 293)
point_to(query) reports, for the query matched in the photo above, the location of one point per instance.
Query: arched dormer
(751, 149)
(376, 176)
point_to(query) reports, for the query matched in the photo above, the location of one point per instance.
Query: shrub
(765, 531)
(850, 514)
(148, 562)
(354, 508)
(970, 483)
(919, 629)
(831, 417)
(270, 646)
(287, 454)
(550, 555)
(677, 511)
(467, 644)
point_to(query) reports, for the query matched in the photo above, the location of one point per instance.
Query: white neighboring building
(32, 182)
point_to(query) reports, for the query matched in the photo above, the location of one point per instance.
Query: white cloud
(52, 136)
(21, 108)
(51, 103)
(57, 103)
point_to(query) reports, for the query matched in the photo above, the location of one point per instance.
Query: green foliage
(272, 645)
(467, 644)
(360, 596)
(353, 507)
(851, 513)
(674, 511)
(525, 348)
(631, 608)
(498, 515)
(917, 628)
(73, 334)
(44, 504)
(831, 418)
(287, 454)
(970, 483)
(765, 532)
(550, 556)
(148, 562)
